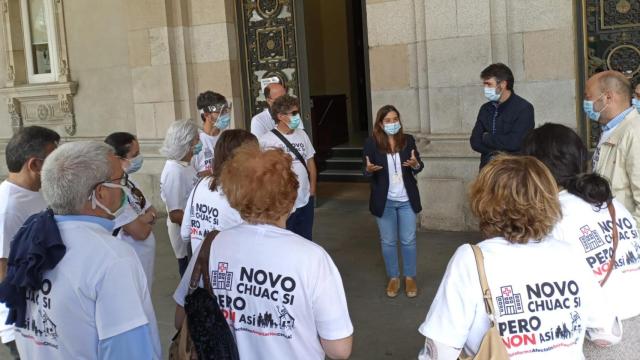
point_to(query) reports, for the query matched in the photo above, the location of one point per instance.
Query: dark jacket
(380, 178)
(514, 120)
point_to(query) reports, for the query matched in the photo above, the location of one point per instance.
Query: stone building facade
(136, 65)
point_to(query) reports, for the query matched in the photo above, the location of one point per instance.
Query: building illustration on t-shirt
(509, 303)
(222, 279)
(48, 326)
(286, 320)
(590, 239)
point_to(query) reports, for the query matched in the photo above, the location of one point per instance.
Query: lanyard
(395, 167)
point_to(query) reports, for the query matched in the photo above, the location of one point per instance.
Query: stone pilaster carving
(15, 114)
(11, 74)
(65, 101)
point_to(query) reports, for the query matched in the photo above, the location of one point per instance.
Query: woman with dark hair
(392, 161)
(207, 207)
(587, 225)
(545, 302)
(134, 226)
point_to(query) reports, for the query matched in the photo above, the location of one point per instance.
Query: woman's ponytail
(591, 188)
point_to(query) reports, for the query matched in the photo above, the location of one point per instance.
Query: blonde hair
(515, 197)
(260, 185)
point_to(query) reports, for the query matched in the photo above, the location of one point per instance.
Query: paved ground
(384, 328)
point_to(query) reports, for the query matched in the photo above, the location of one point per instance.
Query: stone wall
(426, 56)
(139, 65)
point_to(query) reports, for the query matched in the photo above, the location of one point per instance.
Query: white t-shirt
(97, 291)
(206, 210)
(176, 181)
(262, 123)
(588, 230)
(145, 249)
(16, 205)
(544, 300)
(397, 191)
(300, 140)
(278, 291)
(204, 160)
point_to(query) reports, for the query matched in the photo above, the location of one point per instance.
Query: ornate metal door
(612, 42)
(272, 44)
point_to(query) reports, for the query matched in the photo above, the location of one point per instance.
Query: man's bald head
(611, 93)
(273, 91)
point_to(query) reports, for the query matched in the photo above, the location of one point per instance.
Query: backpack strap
(612, 213)
(292, 149)
(486, 292)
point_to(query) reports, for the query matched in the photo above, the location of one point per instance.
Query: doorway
(336, 65)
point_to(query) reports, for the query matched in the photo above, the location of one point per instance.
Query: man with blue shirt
(93, 303)
(504, 120)
(607, 100)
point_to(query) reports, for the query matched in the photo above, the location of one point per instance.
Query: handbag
(204, 333)
(491, 347)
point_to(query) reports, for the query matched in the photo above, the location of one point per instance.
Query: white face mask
(126, 193)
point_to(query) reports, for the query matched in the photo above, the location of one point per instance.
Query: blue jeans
(398, 221)
(301, 221)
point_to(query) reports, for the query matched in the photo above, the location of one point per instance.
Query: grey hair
(70, 173)
(178, 140)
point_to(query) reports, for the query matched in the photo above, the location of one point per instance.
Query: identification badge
(396, 178)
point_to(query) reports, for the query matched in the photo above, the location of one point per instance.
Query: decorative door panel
(269, 48)
(612, 42)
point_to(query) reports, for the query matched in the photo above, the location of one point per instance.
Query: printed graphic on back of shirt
(539, 317)
(202, 213)
(598, 246)
(40, 329)
(273, 295)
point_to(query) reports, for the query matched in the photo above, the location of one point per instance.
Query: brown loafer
(410, 287)
(393, 287)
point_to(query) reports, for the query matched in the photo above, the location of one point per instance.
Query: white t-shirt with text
(300, 140)
(16, 205)
(206, 211)
(278, 291)
(204, 160)
(176, 182)
(544, 300)
(97, 291)
(589, 231)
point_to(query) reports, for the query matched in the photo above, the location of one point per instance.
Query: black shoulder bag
(210, 333)
(292, 149)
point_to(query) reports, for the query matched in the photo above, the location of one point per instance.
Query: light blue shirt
(104, 222)
(133, 344)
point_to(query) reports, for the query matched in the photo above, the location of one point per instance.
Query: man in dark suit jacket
(504, 120)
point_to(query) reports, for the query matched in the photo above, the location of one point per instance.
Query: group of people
(561, 253)
(560, 262)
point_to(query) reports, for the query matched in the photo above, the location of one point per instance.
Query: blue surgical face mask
(393, 128)
(587, 106)
(636, 103)
(223, 121)
(197, 148)
(491, 94)
(294, 121)
(135, 164)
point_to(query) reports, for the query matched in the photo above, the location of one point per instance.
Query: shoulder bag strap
(486, 292)
(612, 262)
(201, 266)
(291, 148)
